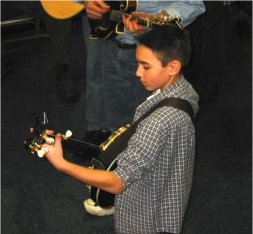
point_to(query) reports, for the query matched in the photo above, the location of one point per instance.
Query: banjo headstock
(38, 136)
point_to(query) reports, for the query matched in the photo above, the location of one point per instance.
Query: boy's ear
(174, 67)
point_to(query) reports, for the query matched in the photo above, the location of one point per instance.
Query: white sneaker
(92, 208)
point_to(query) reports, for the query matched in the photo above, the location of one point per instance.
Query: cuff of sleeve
(173, 13)
(123, 176)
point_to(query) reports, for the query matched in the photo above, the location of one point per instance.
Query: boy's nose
(138, 72)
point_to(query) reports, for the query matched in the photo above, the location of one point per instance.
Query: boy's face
(150, 70)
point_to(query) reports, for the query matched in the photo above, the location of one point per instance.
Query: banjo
(100, 160)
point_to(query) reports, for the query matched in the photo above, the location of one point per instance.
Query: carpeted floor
(38, 200)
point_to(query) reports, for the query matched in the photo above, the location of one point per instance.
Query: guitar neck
(117, 16)
(72, 142)
(78, 145)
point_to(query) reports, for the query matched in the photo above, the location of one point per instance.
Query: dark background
(36, 199)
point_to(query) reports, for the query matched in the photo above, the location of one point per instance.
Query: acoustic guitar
(62, 9)
(100, 29)
(67, 9)
(111, 23)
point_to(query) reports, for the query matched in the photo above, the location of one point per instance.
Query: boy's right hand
(131, 21)
(95, 9)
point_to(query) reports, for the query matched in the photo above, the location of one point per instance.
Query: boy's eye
(145, 67)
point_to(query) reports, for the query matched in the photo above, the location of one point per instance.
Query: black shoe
(97, 136)
(67, 87)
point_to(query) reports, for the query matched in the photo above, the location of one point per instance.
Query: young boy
(153, 177)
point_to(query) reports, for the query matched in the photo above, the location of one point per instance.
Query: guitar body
(107, 160)
(107, 28)
(100, 29)
(101, 197)
(62, 9)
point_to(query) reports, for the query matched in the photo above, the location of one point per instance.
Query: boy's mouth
(143, 83)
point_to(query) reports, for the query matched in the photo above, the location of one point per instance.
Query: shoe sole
(96, 210)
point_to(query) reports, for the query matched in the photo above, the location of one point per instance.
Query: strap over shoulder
(177, 103)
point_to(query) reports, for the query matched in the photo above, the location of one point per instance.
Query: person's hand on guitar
(95, 9)
(131, 22)
(55, 152)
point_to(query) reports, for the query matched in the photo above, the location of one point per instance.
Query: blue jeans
(112, 89)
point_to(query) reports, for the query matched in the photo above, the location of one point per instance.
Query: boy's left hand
(55, 153)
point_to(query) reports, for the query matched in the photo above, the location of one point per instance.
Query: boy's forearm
(105, 180)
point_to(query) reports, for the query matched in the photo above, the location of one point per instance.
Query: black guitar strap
(120, 143)
(177, 103)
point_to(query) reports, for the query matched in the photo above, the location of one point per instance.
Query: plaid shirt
(157, 166)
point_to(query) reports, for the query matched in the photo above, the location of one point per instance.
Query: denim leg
(95, 117)
(113, 90)
(123, 90)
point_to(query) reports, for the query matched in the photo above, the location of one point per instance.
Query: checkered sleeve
(142, 150)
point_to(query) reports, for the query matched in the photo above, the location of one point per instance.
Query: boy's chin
(150, 89)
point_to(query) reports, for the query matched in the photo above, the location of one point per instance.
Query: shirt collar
(154, 94)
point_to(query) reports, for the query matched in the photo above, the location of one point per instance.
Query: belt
(126, 46)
